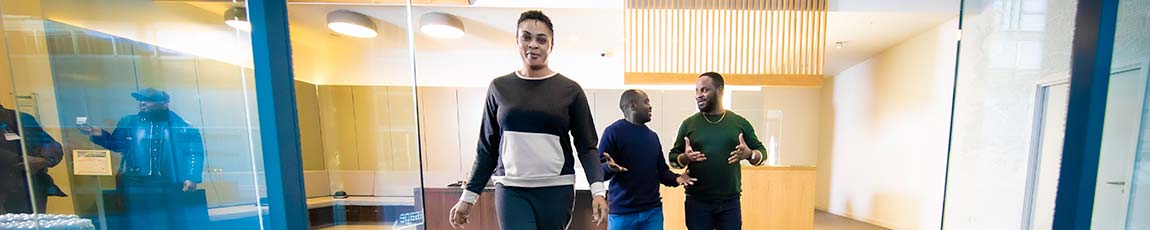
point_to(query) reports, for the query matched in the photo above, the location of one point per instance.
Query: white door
(1047, 156)
(1119, 145)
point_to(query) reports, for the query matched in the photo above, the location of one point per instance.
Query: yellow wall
(6, 97)
(368, 128)
(337, 119)
(27, 68)
(196, 29)
(311, 142)
(364, 127)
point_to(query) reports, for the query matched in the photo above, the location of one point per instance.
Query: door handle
(1116, 183)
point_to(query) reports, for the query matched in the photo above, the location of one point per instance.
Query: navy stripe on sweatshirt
(636, 148)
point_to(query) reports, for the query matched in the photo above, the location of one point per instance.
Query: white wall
(801, 115)
(885, 128)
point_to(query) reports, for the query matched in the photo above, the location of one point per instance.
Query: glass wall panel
(355, 91)
(130, 115)
(1009, 113)
(455, 72)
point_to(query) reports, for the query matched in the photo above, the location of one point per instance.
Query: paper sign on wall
(92, 162)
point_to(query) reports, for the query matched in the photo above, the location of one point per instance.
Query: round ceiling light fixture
(351, 23)
(441, 25)
(237, 17)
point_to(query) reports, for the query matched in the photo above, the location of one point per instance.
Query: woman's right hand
(459, 214)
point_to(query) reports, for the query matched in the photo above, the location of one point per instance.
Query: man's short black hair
(627, 99)
(536, 15)
(716, 78)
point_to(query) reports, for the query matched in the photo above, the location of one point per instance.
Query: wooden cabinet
(774, 197)
(439, 202)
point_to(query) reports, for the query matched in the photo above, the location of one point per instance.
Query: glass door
(1121, 193)
(1121, 136)
(130, 115)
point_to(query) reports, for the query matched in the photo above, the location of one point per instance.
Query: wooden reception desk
(774, 197)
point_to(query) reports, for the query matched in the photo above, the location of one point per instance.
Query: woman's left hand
(599, 209)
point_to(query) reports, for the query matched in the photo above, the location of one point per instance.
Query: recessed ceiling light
(237, 17)
(441, 25)
(351, 24)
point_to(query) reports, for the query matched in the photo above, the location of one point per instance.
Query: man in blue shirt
(633, 162)
(162, 163)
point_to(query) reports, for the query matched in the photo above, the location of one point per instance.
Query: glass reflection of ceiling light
(441, 25)
(351, 24)
(237, 17)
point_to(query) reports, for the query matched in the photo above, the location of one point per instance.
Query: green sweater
(718, 180)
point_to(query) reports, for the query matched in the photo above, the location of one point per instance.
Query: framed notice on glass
(92, 162)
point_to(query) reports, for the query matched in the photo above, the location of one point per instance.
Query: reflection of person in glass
(524, 136)
(163, 158)
(712, 143)
(43, 153)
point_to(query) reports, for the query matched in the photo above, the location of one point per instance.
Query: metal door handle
(1116, 183)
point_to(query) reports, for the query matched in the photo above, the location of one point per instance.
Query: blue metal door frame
(279, 124)
(1089, 80)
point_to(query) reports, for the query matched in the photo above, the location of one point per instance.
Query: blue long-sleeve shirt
(166, 146)
(636, 148)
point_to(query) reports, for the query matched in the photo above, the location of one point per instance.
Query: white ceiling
(900, 6)
(871, 26)
(904, 6)
(867, 26)
(550, 4)
(869, 33)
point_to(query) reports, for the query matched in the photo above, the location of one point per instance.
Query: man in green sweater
(712, 143)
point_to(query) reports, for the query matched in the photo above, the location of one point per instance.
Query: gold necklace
(715, 122)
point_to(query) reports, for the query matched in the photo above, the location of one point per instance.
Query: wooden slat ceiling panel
(762, 42)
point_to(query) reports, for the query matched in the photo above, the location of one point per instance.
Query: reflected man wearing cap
(163, 157)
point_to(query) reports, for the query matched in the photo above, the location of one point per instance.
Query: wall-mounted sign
(92, 162)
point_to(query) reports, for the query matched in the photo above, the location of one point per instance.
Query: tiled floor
(823, 221)
(827, 221)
